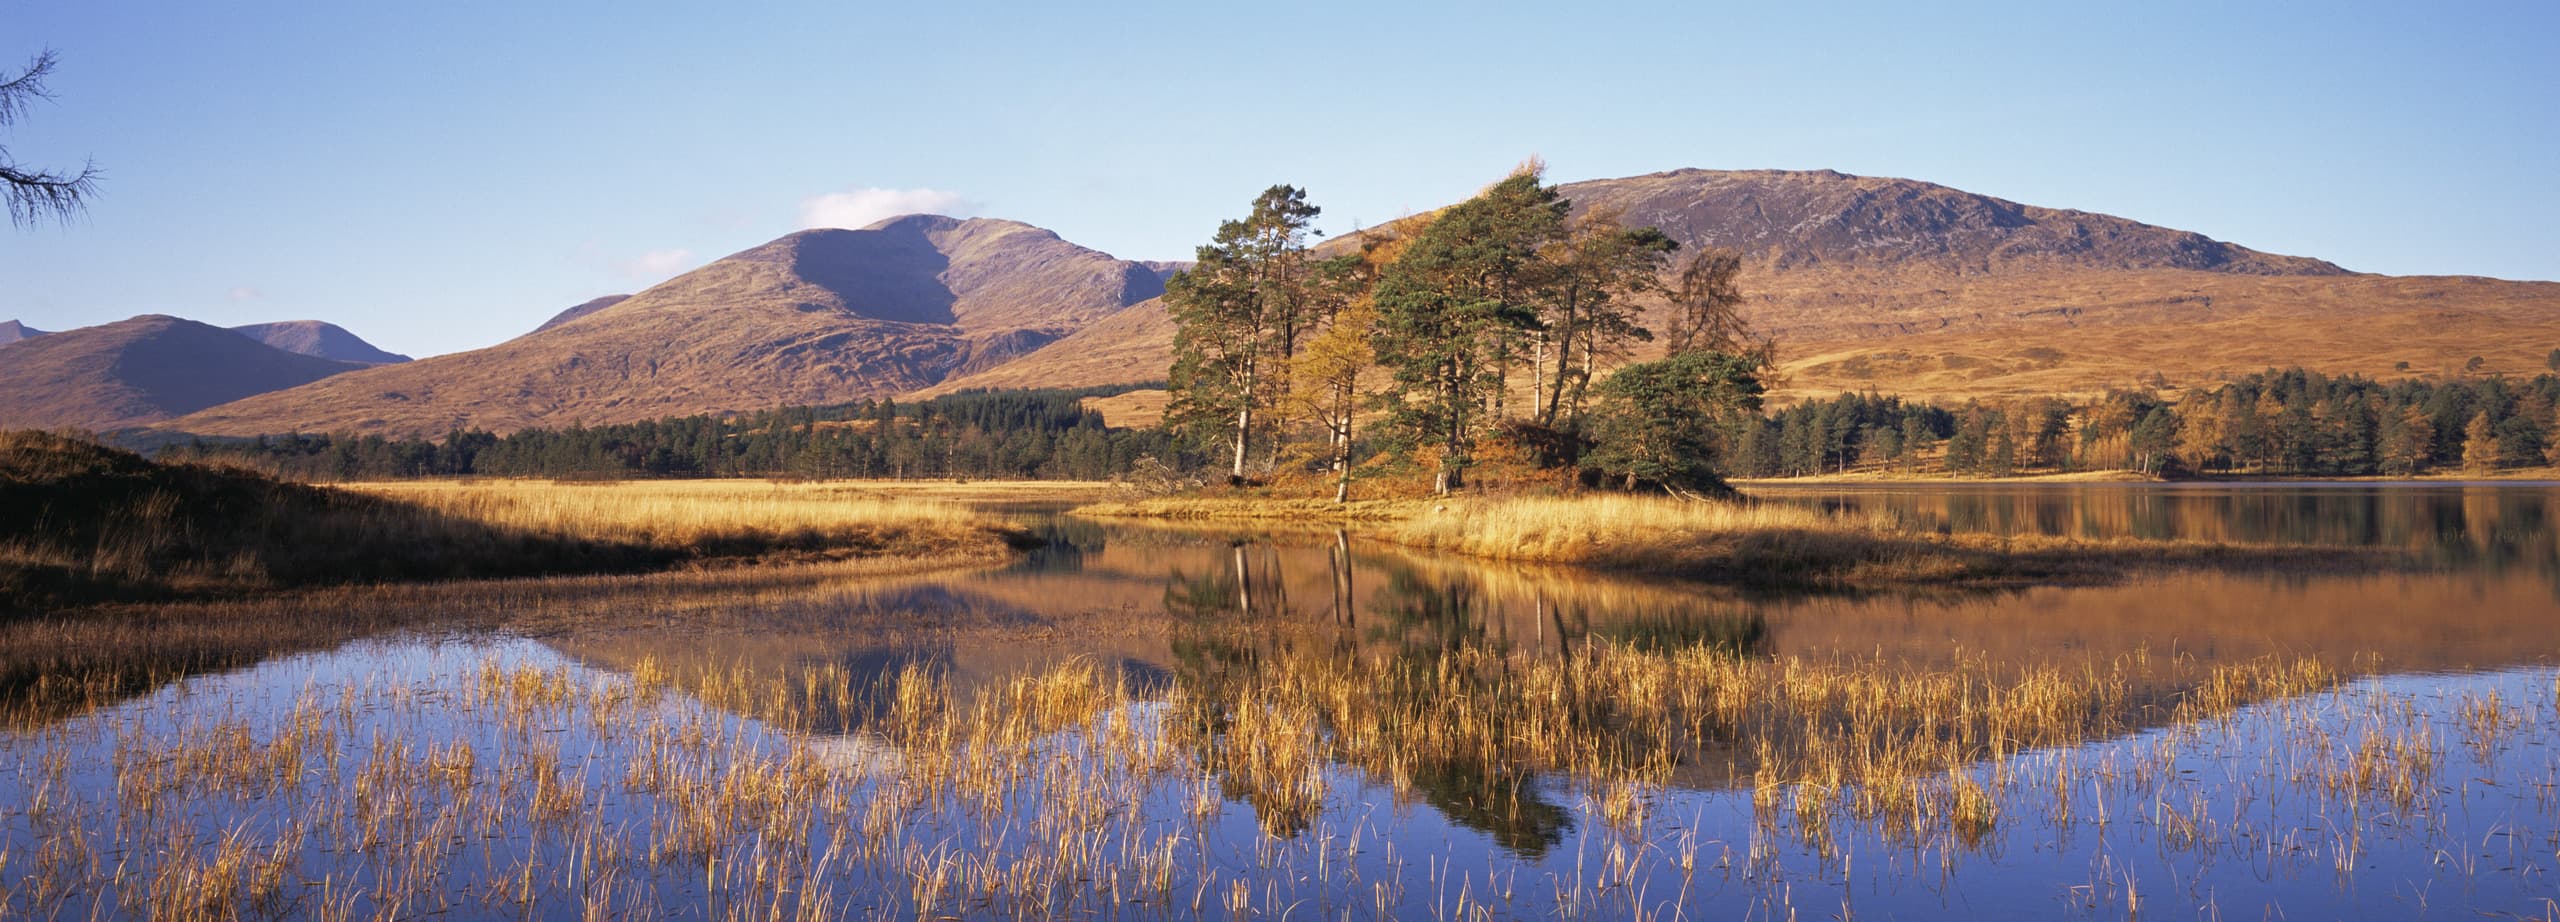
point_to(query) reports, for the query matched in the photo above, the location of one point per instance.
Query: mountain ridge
(140, 371)
(815, 316)
(1868, 282)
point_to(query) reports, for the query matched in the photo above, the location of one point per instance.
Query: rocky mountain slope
(1793, 220)
(12, 331)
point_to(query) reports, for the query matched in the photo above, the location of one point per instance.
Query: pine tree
(1663, 422)
(1587, 313)
(1238, 310)
(1451, 310)
(2408, 441)
(2551, 441)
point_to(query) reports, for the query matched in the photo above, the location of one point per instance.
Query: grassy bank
(1746, 543)
(83, 524)
(711, 519)
(1246, 508)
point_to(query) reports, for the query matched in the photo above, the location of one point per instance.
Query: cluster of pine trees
(1009, 434)
(2290, 423)
(1428, 323)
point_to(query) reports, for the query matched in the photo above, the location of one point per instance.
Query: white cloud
(861, 207)
(655, 265)
(246, 293)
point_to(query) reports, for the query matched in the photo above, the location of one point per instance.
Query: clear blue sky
(442, 176)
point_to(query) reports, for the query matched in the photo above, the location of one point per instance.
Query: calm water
(2227, 818)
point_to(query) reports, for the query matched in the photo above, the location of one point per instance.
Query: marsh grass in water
(481, 779)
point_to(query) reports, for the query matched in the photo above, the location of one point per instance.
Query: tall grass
(1616, 529)
(517, 787)
(1743, 542)
(707, 515)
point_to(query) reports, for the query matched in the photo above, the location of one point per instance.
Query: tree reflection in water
(1409, 630)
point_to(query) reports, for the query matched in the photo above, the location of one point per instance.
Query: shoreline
(1770, 546)
(2513, 477)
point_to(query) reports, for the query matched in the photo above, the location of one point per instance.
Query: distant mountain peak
(1806, 218)
(319, 339)
(141, 370)
(920, 222)
(12, 331)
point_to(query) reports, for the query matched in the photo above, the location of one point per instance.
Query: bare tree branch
(26, 87)
(35, 195)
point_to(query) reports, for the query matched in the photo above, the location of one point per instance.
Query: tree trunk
(1342, 461)
(1244, 586)
(1342, 588)
(1564, 358)
(1538, 406)
(1244, 425)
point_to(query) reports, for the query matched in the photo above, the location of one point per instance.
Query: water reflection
(1222, 613)
(2492, 527)
(1123, 594)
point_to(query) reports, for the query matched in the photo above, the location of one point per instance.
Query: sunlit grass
(1737, 541)
(1616, 529)
(698, 513)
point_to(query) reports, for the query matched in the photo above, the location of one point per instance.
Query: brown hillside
(1909, 287)
(1133, 345)
(2087, 331)
(140, 371)
(820, 316)
(319, 340)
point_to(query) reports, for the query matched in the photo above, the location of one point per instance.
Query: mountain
(1921, 289)
(582, 309)
(319, 340)
(1132, 346)
(1791, 220)
(140, 371)
(815, 317)
(13, 331)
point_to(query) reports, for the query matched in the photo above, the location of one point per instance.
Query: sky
(440, 177)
